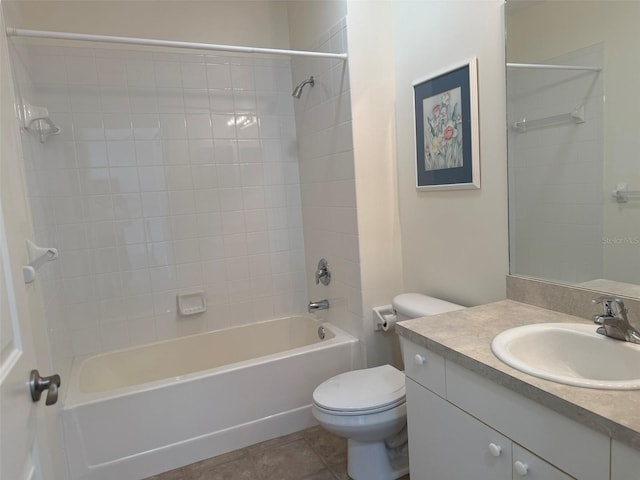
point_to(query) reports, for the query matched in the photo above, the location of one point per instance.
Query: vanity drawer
(424, 367)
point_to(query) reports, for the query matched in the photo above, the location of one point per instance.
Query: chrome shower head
(297, 92)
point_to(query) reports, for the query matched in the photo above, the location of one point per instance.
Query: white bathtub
(137, 412)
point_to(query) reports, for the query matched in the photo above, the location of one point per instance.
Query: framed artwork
(446, 128)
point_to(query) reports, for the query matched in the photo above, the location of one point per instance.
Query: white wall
(374, 135)
(310, 21)
(246, 22)
(454, 244)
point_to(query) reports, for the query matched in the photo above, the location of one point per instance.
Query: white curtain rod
(552, 67)
(17, 32)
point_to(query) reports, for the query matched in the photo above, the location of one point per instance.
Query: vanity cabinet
(445, 442)
(463, 426)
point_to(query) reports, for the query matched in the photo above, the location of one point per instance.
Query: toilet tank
(415, 305)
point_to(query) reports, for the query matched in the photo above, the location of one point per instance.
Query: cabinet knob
(521, 468)
(495, 450)
(419, 359)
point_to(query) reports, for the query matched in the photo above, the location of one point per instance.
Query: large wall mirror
(573, 108)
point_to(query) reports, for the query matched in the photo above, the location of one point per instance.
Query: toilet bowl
(368, 406)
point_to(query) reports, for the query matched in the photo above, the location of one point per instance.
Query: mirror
(573, 110)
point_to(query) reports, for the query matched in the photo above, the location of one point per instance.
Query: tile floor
(312, 454)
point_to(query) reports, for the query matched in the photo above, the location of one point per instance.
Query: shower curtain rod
(552, 67)
(18, 32)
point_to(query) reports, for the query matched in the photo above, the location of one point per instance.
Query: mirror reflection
(573, 101)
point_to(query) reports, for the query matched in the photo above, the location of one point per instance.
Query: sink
(573, 354)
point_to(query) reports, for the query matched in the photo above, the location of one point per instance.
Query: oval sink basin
(573, 354)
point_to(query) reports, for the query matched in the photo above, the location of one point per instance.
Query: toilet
(368, 406)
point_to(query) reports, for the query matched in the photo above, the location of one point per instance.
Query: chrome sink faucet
(614, 321)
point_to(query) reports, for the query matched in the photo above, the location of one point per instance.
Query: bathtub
(133, 413)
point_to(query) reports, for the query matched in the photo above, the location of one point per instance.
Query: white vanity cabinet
(463, 426)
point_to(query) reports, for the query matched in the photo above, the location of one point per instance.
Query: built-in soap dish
(191, 303)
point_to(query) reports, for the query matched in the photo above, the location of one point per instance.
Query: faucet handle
(323, 275)
(607, 301)
(608, 298)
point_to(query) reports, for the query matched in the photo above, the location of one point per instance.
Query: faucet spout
(321, 305)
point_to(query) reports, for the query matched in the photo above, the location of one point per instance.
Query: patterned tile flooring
(312, 454)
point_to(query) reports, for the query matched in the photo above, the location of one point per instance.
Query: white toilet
(368, 406)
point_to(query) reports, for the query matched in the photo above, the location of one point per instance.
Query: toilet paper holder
(383, 318)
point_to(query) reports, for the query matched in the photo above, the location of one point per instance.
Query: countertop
(465, 336)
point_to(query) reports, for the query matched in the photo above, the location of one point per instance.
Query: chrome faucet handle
(607, 302)
(323, 275)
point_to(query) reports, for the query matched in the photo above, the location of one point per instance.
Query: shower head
(297, 92)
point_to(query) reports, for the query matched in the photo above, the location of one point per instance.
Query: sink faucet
(614, 321)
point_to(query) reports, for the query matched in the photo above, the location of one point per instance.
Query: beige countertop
(465, 336)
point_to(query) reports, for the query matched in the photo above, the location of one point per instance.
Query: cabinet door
(446, 444)
(527, 466)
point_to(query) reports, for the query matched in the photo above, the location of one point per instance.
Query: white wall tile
(221, 101)
(173, 126)
(224, 126)
(199, 126)
(140, 73)
(148, 191)
(242, 77)
(168, 74)
(196, 101)
(218, 76)
(194, 75)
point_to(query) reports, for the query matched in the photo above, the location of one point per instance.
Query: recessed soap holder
(191, 303)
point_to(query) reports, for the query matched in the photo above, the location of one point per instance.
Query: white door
(18, 419)
(22, 451)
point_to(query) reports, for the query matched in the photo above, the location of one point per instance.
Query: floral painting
(442, 132)
(445, 106)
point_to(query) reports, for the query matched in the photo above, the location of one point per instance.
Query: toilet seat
(361, 392)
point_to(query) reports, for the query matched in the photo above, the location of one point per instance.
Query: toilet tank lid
(415, 305)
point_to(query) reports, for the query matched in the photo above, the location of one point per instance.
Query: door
(22, 451)
(18, 418)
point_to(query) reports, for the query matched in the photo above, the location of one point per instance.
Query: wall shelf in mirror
(553, 67)
(576, 116)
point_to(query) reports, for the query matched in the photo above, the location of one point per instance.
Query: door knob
(38, 384)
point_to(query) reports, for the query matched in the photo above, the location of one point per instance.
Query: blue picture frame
(446, 129)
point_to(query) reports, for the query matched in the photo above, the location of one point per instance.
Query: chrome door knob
(38, 384)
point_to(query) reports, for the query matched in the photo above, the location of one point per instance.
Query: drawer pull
(495, 450)
(521, 468)
(419, 359)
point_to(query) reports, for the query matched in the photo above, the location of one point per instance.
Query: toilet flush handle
(419, 359)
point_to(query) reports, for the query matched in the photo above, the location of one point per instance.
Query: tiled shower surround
(173, 173)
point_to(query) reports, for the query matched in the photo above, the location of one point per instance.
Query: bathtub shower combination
(159, 174)
(137, 412)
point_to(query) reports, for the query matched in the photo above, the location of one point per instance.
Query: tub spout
(321, 305)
